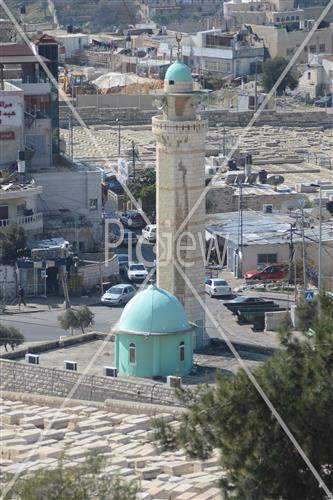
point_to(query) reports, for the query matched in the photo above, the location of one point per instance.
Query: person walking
(21, 297)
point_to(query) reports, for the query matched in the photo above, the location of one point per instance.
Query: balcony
(32, 222)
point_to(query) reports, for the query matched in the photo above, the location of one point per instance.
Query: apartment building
(221, 54)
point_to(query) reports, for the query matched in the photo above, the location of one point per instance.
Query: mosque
(160, 327)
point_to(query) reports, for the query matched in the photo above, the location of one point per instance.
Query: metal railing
(28, 220)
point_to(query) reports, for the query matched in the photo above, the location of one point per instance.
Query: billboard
(11, 107)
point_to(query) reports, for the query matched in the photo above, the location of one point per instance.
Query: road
(42, 326)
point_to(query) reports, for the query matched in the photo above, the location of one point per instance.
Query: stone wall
(220, 117)
(52, 382)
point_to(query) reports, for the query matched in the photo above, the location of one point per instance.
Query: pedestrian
(21, 299)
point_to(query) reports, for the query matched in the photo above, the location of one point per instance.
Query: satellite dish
(275, 180)
(290, 205)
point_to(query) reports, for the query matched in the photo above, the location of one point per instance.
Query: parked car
(149, 232)
(118, 295)
(132, 219)
(246, 302)
(216, 287)
(137, 272)
(245, 299)
(272, 272)
(125, 238)
(324, 101)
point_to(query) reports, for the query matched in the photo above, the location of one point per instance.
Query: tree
(272, 69)
(80, 482)
(76, 318)
(143, 187)
(10, 336)
(11, 243)
(260, 461)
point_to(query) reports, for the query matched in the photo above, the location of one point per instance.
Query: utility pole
(70, 137)
(303, 251)
(224, 142)
(240, 233)
(119, 137)
(256, 87)
(133, 157)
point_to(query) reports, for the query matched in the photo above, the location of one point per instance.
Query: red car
(270, 272)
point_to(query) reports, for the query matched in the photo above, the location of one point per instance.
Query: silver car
(118, 295)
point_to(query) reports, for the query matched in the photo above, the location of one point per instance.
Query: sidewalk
(39, 304)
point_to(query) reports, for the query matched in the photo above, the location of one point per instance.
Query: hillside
(96, 14)
(37, 11)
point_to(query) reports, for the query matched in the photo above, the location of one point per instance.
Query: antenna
(179, 48)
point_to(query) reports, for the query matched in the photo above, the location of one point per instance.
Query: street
(43, 325)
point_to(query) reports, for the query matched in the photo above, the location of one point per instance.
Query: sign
(309, 295)
(7, 136)
(43, 274)
(11, 110)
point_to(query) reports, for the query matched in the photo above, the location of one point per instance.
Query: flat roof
(261, 228)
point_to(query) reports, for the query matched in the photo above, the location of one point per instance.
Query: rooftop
(261, 228)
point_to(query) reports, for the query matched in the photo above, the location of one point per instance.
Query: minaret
(180, 181)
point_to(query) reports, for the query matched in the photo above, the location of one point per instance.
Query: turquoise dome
(179, 73)
(153, 310)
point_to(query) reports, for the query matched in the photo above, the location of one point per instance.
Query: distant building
(266, 240)
(283, 41)
(317, 78)
(221, 54)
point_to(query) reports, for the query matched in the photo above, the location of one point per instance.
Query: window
(93, 204)
(266, 258)
(277, 19)
(321, 47)
(182, 351)
(309, 75)
(312, 49)
(290, 51)
(3, 211)
(171, 82)
(132, 354)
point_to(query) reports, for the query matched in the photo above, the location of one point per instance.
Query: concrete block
(75, 453)
(35, 420)
(57, 422)
(6, 434)
(51, 452)
(178, 469)
(13, 417)
(31, 435)
(149, 472)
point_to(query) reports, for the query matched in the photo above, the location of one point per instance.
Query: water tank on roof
(262, 176)
(232, 165)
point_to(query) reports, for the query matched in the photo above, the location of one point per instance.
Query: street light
(118, 122)
(321, 187)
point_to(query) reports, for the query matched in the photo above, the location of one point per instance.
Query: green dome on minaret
(179, 72)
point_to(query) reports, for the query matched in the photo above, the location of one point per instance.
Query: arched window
(132, 353)
(182, 351)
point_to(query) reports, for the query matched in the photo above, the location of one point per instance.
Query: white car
(118, 295)
(216, 287)
(149, 232)
(137, 271)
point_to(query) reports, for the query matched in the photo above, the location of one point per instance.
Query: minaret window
(182, 351)
(132, 353)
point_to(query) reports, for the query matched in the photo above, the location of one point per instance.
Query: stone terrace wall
(224, 118)
(52, 382)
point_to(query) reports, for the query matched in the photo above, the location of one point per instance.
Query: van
(149, 232)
